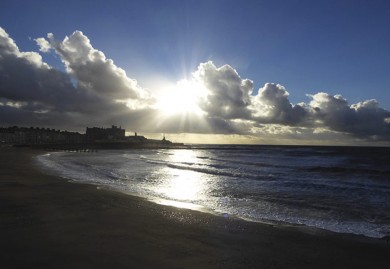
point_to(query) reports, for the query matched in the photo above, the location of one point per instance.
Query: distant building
(136, 138)
(108, 138)
(37, 136)
(95, 134)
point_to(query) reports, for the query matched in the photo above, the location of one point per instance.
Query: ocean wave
(319, 189)
(217, 170)
(348, 170)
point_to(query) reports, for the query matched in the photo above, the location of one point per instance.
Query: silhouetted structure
(95, 138)
(36, 136)
(96, 134)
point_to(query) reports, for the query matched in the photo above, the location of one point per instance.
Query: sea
(340, 189)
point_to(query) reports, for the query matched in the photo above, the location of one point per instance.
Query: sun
(182, 98)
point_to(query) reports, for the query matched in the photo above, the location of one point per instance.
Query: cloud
(93, 91)
(92, 70)
(25, 78)
(228, 95)
(271, 105)
(43, 44)
(7, 45)
(46, 96)
(230, 99)
(364, 119)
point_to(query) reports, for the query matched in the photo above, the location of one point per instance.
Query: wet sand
(48, 222)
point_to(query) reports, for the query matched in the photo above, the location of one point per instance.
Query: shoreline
(203, 208)
(48, 221)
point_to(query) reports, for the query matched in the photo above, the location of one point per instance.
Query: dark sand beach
(47, 222)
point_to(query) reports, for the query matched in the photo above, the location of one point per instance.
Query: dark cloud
(364, 119)
(30, 85)
(33, 93)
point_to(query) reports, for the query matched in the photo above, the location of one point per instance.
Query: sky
(216, 71)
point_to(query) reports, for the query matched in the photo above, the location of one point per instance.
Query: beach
(49, 222)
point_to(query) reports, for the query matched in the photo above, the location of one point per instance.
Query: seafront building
(35, 136)
(114, 133)
(94, 137)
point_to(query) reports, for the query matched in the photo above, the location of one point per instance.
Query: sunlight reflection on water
(179, 204)
(182, 185)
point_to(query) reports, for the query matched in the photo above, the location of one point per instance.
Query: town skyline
(274, 73)
(113, 137)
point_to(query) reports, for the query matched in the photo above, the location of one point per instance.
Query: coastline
(47, 221)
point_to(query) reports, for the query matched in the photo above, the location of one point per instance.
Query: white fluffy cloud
(228, 96)
(43, 44)
(93, 71)
(271, 105)
(230, 99)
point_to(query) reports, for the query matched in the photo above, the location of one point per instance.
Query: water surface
(341, 189)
